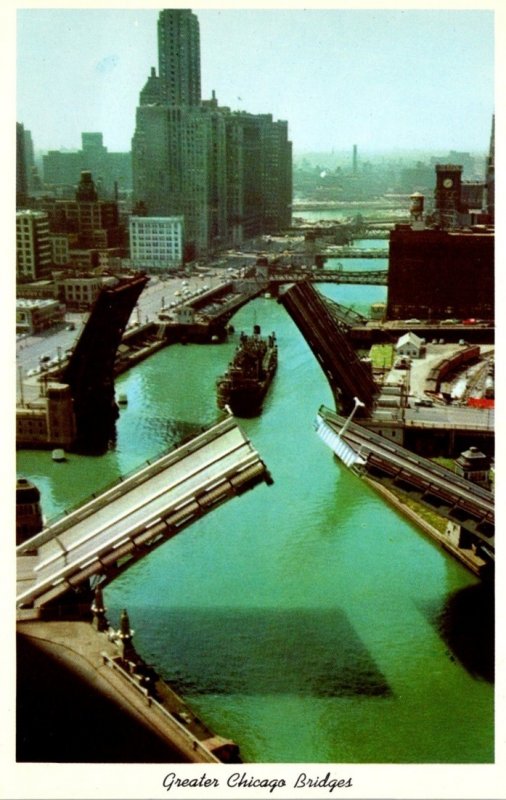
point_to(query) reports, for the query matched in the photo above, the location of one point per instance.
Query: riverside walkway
(104, 536)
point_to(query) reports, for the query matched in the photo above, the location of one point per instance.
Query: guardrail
(151, 702)
(118, 487)
(102, 549)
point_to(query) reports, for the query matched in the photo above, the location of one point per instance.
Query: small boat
(58, 454)
(122, 399)
(244, 385)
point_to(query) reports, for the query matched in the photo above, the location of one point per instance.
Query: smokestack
(354, 159)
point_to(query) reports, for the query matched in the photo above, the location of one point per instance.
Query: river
(306, 620)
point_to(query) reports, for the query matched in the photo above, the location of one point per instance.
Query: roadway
(475, 504)
(160, 294)
(140, 511)
(460, 417)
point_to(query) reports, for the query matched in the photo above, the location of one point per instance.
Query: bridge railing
(149, 521)
(193, 741)
(363, 433)
(88, 505)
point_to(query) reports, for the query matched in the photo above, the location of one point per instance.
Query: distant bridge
(108, 533)
(346, 251)
(377, 277)
(322, 253)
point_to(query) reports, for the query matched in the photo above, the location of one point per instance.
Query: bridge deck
(455, 497)
(141, 512)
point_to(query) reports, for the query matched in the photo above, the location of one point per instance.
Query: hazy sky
(381, 79)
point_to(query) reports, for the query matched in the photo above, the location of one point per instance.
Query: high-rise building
(113, 171)
(490, 177)
(21, 173)
(170, 168)
(229, 174)
(179, 57)
(92, 222)
(33, 245)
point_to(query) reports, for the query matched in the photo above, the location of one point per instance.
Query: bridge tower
(98, 610)
(447, 194)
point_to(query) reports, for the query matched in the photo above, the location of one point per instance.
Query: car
(470, 321)
(424, 403)
(413, 321)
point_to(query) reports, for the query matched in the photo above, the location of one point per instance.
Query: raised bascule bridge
(464, 503)
(325, 325)
(90, 369)
(92, 544)
(61, 616)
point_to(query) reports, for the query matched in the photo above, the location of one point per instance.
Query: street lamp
(358, 404)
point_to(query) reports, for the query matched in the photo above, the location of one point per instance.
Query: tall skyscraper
(170, 168)
(490, 176)
(227, 173)
(179, 57)
(21, 175)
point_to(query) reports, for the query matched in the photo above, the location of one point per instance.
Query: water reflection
(466, 625)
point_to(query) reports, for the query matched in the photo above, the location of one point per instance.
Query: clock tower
(447, 193)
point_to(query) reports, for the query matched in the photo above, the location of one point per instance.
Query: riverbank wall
(89, 703)
(467, 557)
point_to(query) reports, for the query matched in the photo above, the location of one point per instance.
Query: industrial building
(441, 266)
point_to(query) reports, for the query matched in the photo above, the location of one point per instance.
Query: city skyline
(407, 80)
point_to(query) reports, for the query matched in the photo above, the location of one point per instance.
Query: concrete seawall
(83, 706)
(466, 557)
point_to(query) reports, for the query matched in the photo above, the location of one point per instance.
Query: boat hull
(243, 387)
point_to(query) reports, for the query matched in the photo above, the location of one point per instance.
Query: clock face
(448, 183)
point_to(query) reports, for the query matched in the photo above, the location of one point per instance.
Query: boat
(244, 385)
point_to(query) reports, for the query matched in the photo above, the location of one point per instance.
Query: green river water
(306, 620)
